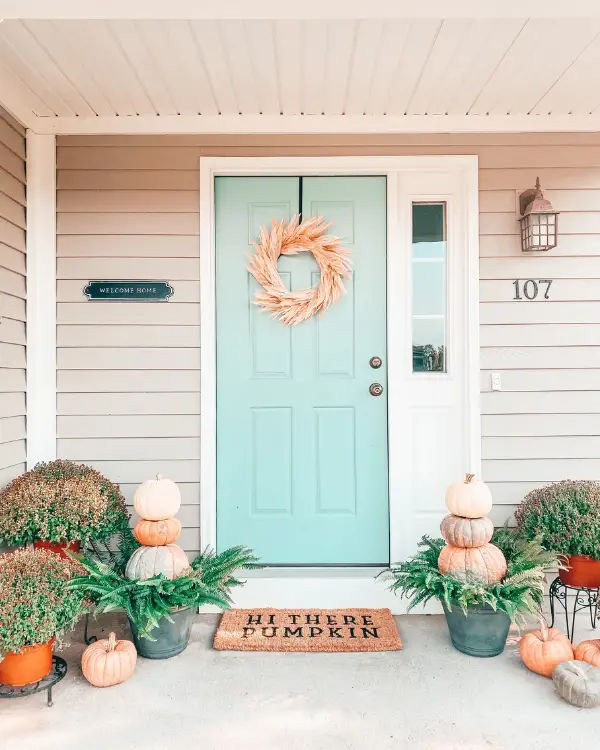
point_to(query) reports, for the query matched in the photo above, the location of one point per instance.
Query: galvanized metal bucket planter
(171, 638)
(483, 632)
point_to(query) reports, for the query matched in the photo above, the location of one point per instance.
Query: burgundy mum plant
(36, 604)
(564, 516)
(61, 501)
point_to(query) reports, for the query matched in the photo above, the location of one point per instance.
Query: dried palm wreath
(289, 239)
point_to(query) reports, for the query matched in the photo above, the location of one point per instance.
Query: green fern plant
(146, 602)
(521, 592)
(115, 552)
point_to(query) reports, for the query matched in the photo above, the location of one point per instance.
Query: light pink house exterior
(108, 131)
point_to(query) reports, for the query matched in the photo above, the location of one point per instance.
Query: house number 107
(531, 288)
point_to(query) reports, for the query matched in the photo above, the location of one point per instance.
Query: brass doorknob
(375, 362)
(375, 389)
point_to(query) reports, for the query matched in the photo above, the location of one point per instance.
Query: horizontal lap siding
(128, 375)
(12, 299)
(543, 426)
(128, 379)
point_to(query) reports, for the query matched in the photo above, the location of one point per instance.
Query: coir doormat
(307, 630)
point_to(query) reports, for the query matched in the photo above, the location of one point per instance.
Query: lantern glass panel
(538, 232)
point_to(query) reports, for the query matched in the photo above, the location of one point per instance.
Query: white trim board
(310, 9)
(307, 124)
(331, 587)
(41, 298)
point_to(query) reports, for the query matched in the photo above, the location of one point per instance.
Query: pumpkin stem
(159, 477)
(469, 478)
(578, 669)
(112, 642)
(543, 630)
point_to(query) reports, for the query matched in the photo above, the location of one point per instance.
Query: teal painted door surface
(301, 443)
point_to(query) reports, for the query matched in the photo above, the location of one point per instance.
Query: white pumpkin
(469, 498)
(157, 499)
(170, 560)
(578, 683)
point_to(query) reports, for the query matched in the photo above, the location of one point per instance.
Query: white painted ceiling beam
(317, 124)
(309, 9)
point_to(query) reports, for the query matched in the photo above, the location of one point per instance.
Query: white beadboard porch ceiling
(62, 70)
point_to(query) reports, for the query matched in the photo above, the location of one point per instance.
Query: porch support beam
(315, 124)
(309, 9)
(41, 298)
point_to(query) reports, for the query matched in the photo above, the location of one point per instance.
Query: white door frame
(329, 587)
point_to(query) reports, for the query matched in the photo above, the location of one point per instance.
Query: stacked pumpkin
(468, 554)
(157, 501)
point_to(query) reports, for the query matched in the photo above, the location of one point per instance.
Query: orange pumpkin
(541, 650)
(485, 564)
(157, 533)
(469, 498)
(467, 532)
(108, 662)
(589, 651)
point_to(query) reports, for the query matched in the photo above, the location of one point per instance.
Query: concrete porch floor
(428, 696)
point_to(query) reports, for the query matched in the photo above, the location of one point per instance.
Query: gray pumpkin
(578, 683)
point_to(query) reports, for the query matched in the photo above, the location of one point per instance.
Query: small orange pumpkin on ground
(541, 650)
(108, 662)
(157, 533)
(589, 651)
(467, 532)
(485, 564)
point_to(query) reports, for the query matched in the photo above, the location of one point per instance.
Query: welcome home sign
(128, 291)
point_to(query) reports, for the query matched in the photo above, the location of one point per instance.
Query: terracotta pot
(33, 663)
(583, 571)
(59, 549)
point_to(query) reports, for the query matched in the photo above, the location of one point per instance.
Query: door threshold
(324, 571)
(318, 588)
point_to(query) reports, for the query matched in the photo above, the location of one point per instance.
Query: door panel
(301, 443)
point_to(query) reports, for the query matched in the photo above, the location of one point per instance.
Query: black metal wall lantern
(539, 221)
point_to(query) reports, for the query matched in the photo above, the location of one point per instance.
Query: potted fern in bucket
(478, 614)
(160, 609)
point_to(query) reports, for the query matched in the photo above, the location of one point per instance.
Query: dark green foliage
(209, 582)
(35, 601)
(565, 516)
(60, 501)
(115, 552)
(520, 593)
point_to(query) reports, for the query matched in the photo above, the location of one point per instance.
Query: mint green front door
(302, 458)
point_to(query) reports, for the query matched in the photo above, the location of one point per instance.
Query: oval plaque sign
(128, 291)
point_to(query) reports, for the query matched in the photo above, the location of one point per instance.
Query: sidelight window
(429, 282)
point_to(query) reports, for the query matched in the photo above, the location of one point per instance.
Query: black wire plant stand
(584, 598)
(58, 671)
(86, 637)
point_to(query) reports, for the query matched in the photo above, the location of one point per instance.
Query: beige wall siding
(12, 298)
(129, 376)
